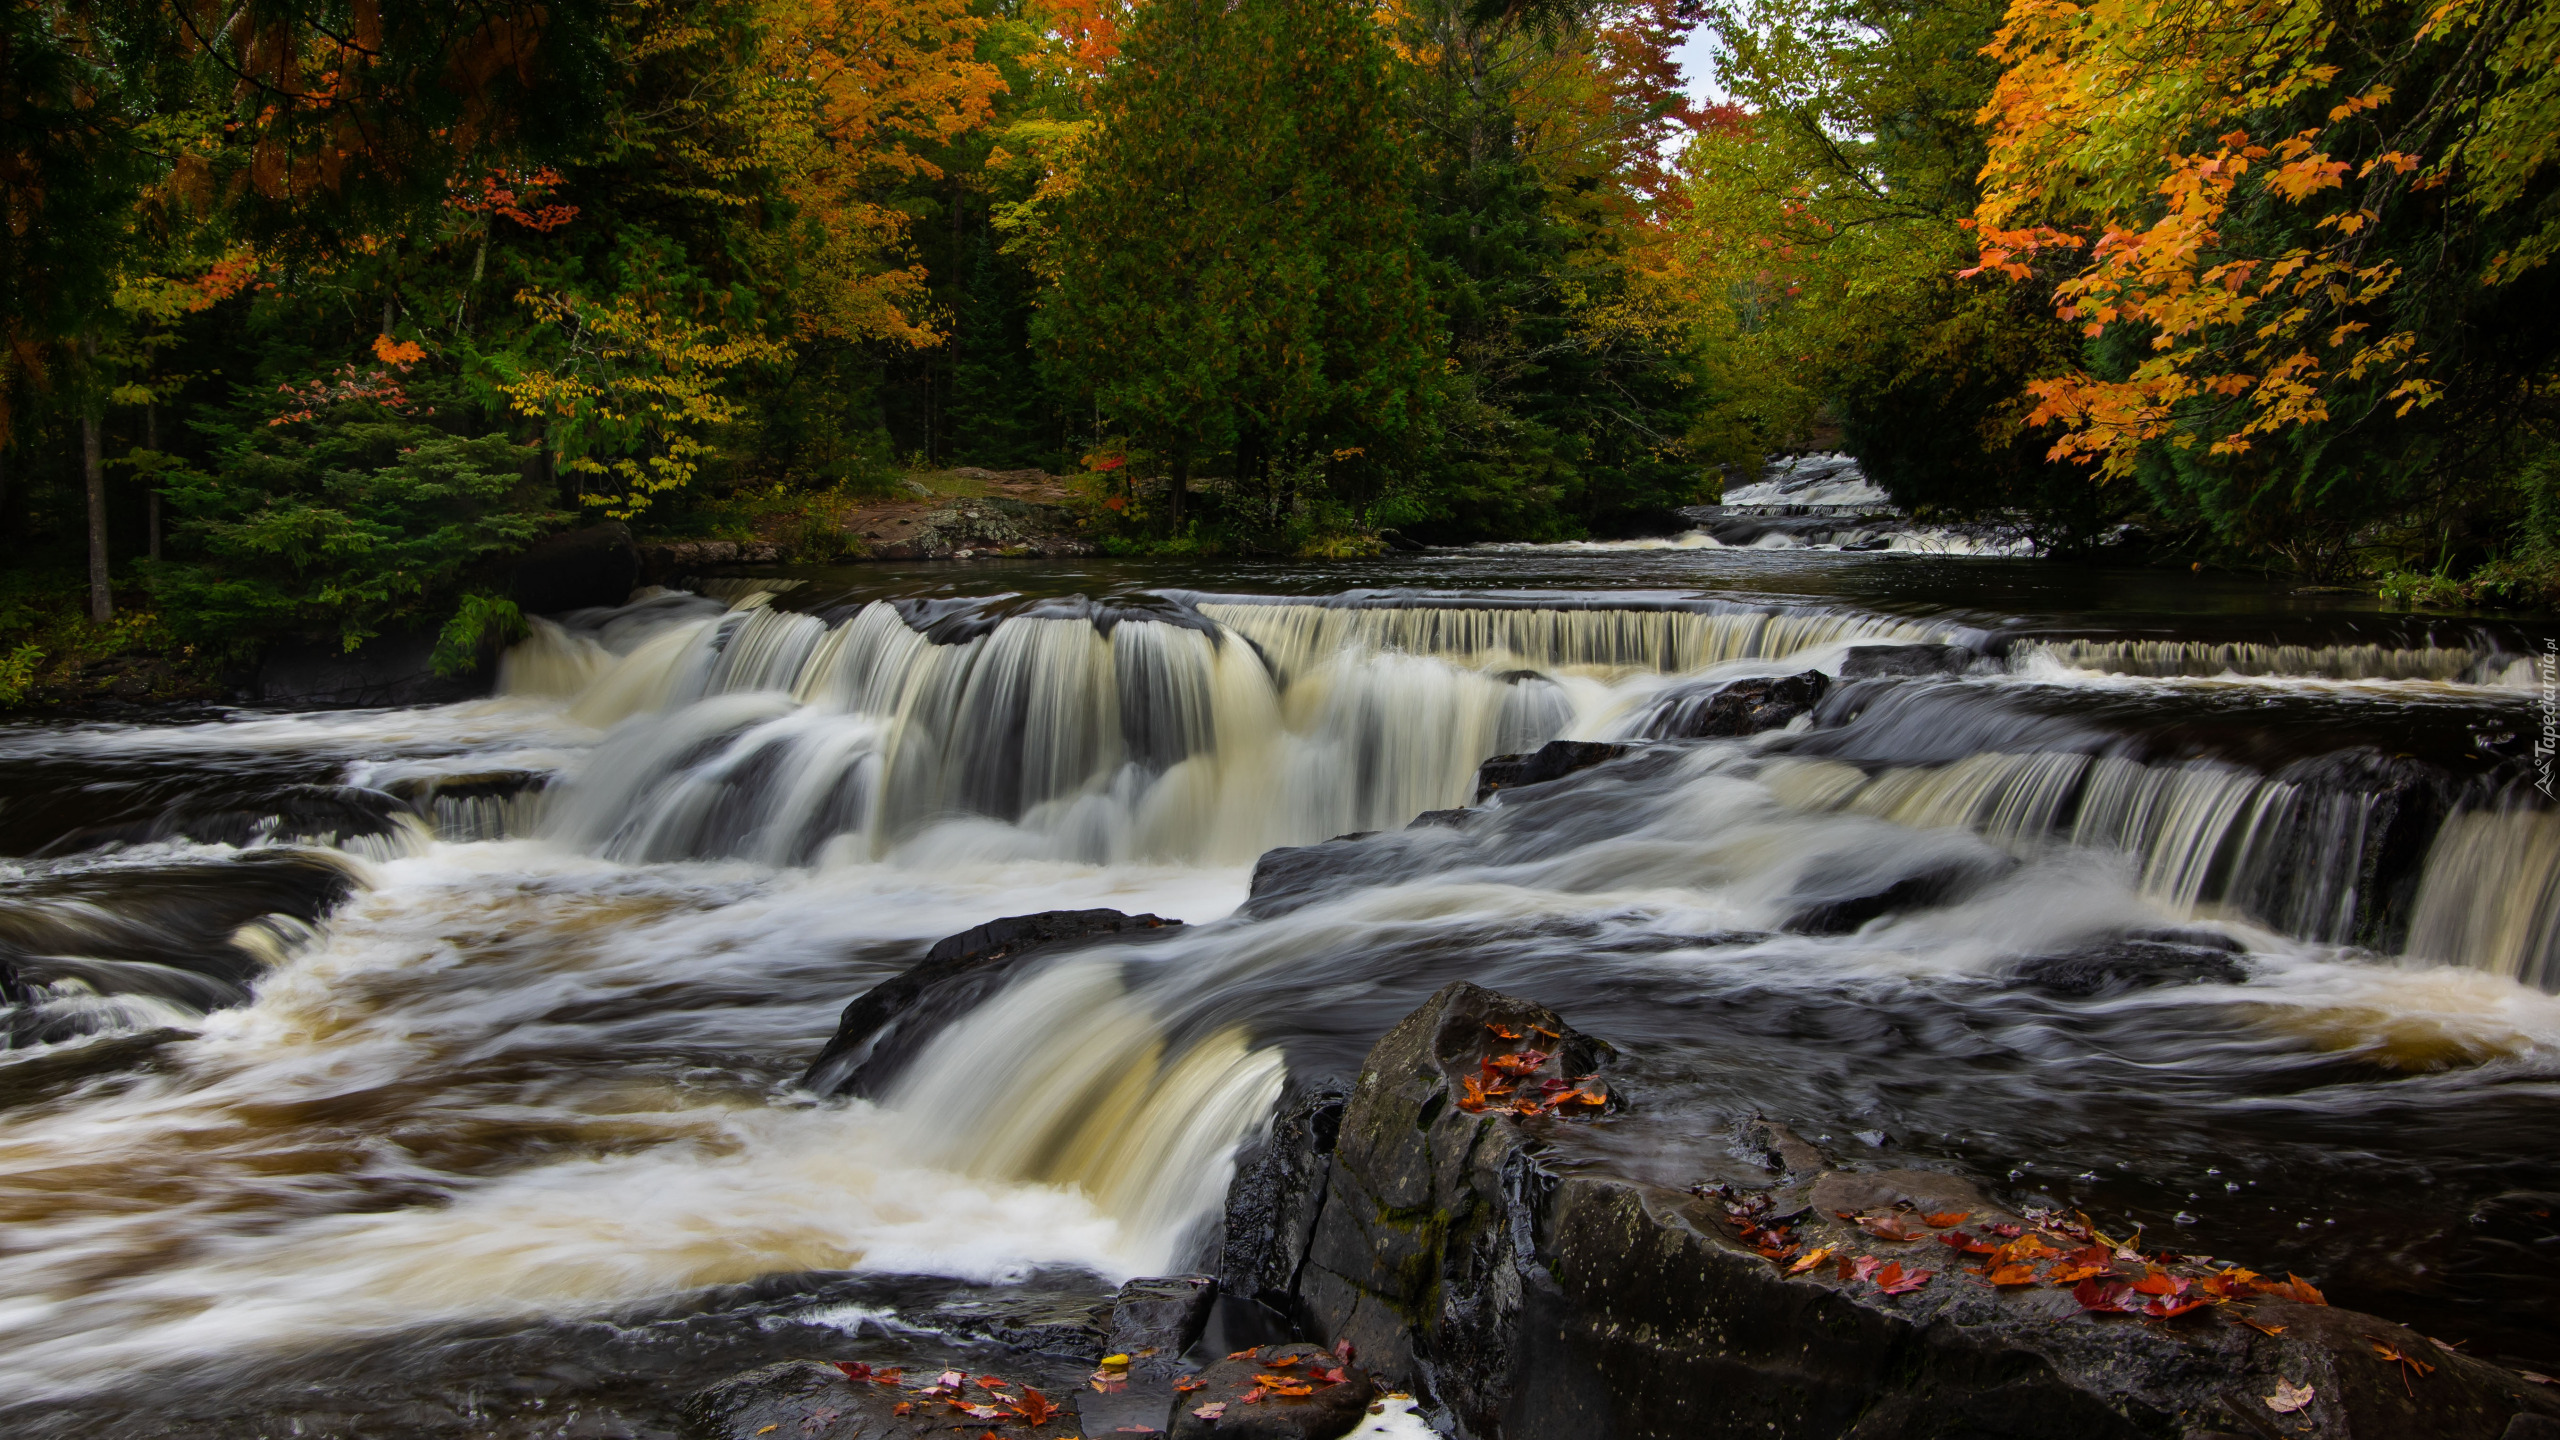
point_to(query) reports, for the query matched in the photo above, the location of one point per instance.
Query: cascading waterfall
(1216, 734)
(2490, 896)
(2201, 834)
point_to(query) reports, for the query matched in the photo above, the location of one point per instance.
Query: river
(436, 1071)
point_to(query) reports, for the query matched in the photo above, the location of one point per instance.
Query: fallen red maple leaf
(1894, 1280)
(2292, 1287)
(1034, 1408)
(2114, 1296)
(1946, 1218)
(1889, 1227)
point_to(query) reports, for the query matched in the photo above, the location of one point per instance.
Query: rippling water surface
(435, 1071)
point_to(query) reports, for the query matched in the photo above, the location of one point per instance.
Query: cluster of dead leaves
(2105, 1275)
(997, 1401)
(1280, 1377)
(1773, 1238)
(1503, 1084)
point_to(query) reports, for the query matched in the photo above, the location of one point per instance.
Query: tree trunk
(93, 471)
(1175, 488)
(151, 442)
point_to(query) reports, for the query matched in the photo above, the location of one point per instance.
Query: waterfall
(2201, 834)
(1213, 728)
(2490, 896)
(1209, 731)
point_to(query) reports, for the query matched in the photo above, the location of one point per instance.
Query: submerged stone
(2131, 964)
(1737, 707)
(1551, 761)
(1866, 661)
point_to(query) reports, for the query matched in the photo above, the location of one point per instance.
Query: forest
(317, 311)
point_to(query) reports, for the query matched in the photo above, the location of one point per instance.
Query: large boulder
(1534, 1302)
(888, 1024)
(1737, 707)
(577, 570)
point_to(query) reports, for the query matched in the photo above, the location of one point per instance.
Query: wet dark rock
(1932, 883)
(887, 1025)
(2131, 965)
(1738, 707)
(1153, 1323)
(1441, 820)
(1154, 1320)
(394, 668)
(577, 570)
(1866, 661)
(1551, 761)
(1530, 1302)
(1279, 1190)
(309, 814)
(1332, 1410)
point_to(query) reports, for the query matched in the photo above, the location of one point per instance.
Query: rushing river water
(427, 1072)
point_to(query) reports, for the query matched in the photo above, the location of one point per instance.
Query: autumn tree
(2307, 247)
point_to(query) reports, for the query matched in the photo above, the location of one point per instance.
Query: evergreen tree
(996, 398)
(1238, 268)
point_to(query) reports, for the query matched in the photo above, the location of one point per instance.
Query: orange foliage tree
(2239, 199)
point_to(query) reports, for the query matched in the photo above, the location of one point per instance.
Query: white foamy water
(470, 1099)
